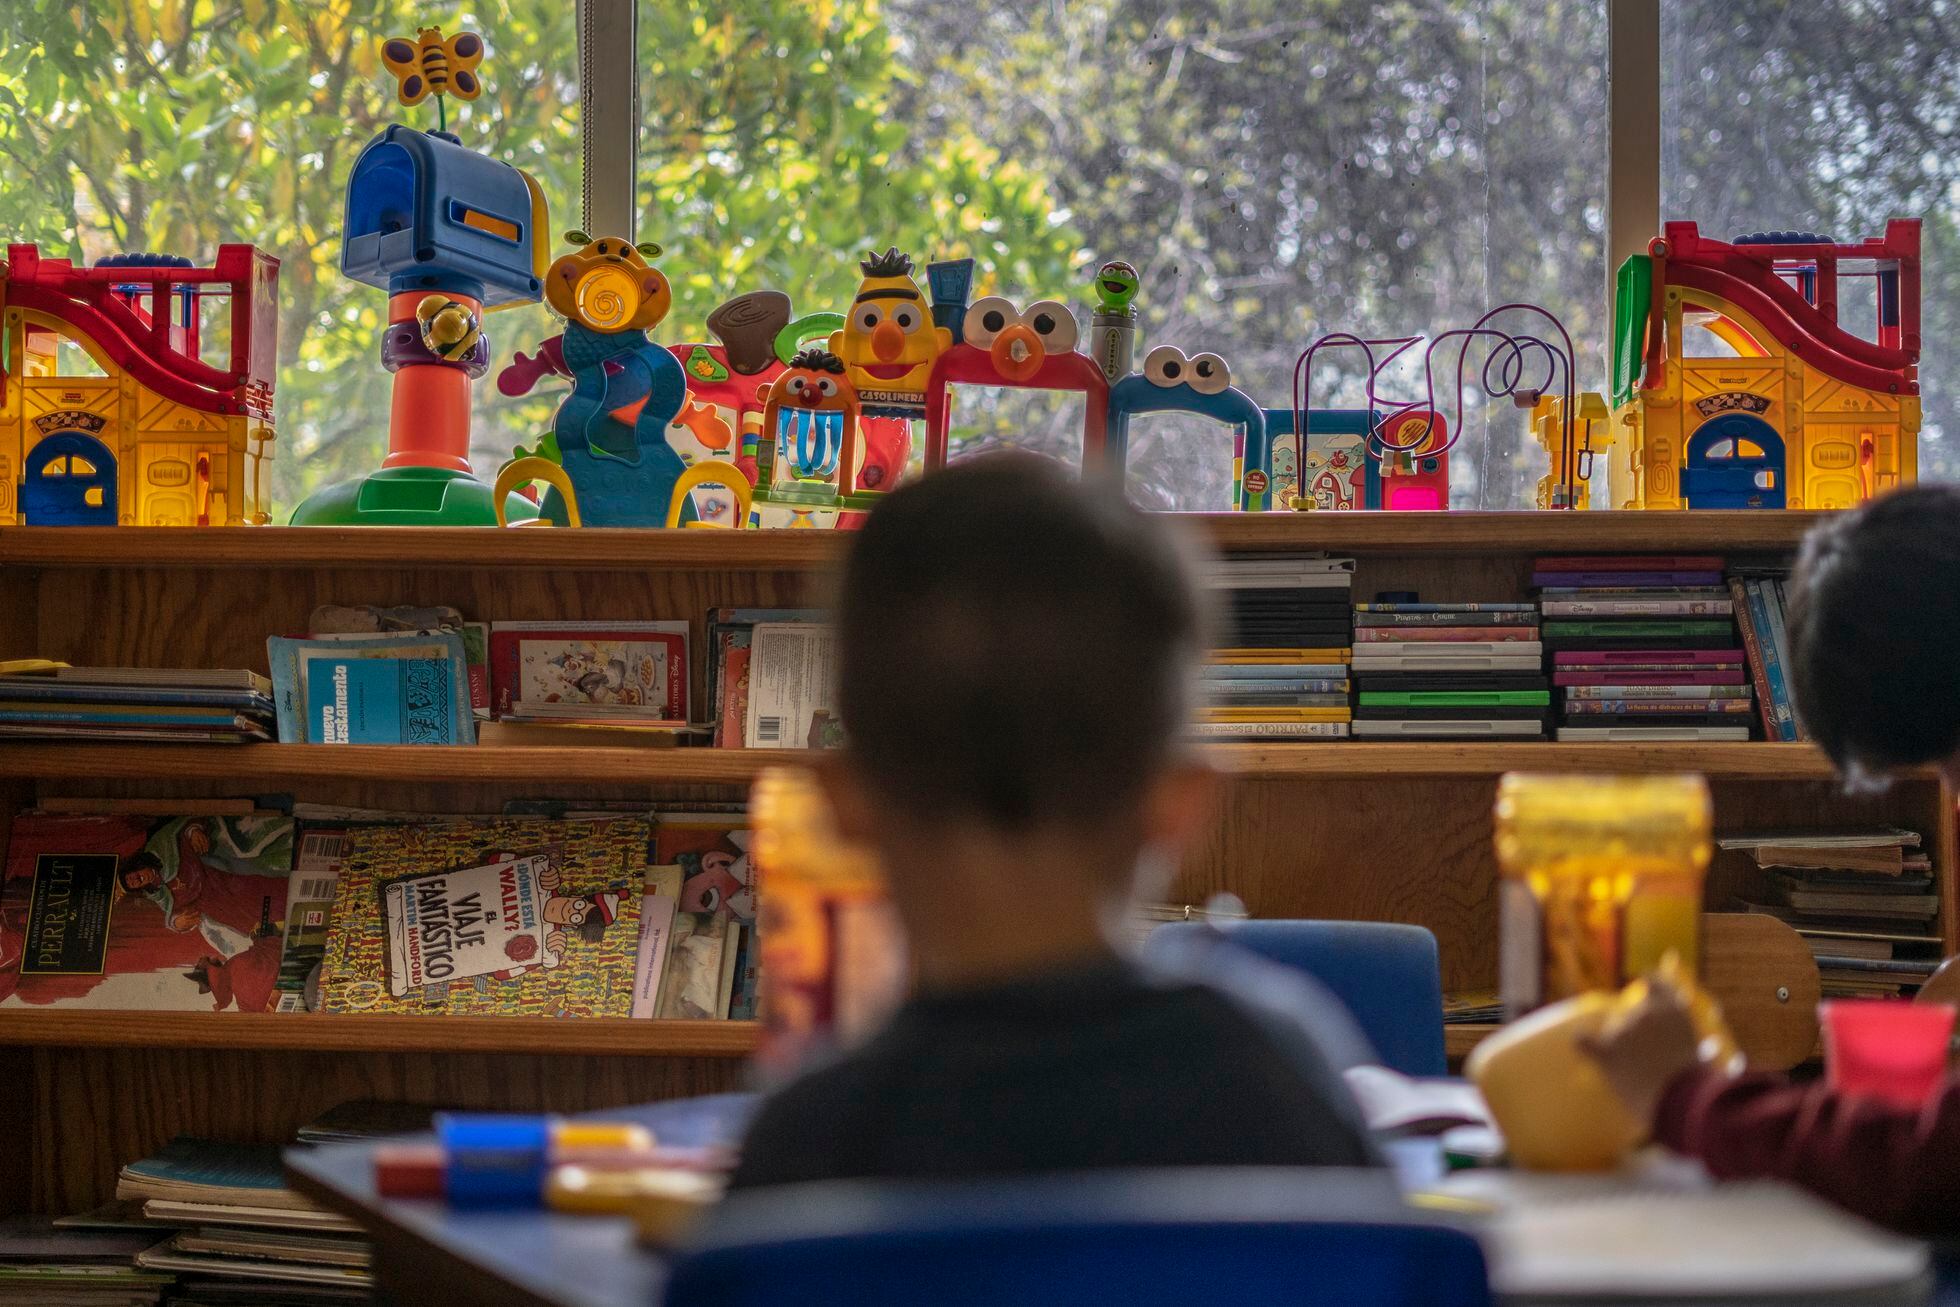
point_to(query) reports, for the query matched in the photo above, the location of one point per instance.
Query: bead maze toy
(1003, 346)
(1201, 384)
(1799, 412)
(812, 450)
(152, 434)
(449, 234)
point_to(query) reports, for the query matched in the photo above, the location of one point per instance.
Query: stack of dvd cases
(1470, 671)
(1288, 630)
(1644, 648)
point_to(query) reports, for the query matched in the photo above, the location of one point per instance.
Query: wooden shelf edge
(550, 769)
(598, 549)
(1460, 1041)
(318, 1032)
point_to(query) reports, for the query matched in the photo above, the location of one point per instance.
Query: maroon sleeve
(1897, 1166)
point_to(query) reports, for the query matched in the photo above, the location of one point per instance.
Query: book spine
(1446, 608)
(1243, 685)
(1690, 692)
(1772, 663)
(1274, 730)
(1773, 600)
(1364, 618)
(1637, 607)
(1657, 707)
(1745, 621)
(1621, 563)
(1444, 634)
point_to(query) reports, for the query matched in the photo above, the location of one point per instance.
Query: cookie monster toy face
(1206, 374)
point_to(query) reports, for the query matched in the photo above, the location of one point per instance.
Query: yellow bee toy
(429, 65)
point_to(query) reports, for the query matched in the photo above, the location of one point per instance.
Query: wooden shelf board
(1460, 1040)
(550, 770)
(318, 1032)
(597, 549)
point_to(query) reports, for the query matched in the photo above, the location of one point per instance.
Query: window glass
(1275, 170)
(178, 125)
(1829, 116)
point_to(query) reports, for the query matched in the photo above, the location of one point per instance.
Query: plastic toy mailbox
(1172, 383)
(427, 217)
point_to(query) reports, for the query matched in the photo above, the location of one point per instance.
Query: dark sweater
(1103, 1065)
(1896, 1166)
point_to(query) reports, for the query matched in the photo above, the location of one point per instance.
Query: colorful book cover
(172, 914)
(712, 851)
(293, 661)
(309, 908)
(476, 662)
(1779, 694)
(506, 916)
(1786, 715)
(380, 700)
(613, 666)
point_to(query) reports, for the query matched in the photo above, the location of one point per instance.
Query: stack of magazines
(183, 705)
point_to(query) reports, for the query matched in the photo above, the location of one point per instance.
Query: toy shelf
(301, 1032)
(622, 550)
(1364, 830)
(526, 767)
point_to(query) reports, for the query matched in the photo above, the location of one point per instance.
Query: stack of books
(589, 683)
(241, 1235)
(1863, 900)
(1643, 648)
(1760, 597)
(1289, 632)
(45, 1262)
(58, 702)
(1463, 671)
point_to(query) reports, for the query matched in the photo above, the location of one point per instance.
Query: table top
(535, 1258)
(528, 1258)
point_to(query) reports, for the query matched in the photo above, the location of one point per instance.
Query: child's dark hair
(1015, 648)
(1874, 624)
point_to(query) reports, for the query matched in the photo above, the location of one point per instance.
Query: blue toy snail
(612, 428)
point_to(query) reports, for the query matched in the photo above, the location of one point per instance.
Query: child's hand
(1643, 1049)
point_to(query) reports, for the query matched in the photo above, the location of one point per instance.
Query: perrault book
(517, 917)
(147, 913)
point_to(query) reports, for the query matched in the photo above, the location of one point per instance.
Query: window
(1274, 170)
(164, 125)
(1828, 116)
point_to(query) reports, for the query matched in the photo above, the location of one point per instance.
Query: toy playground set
(1733, 383)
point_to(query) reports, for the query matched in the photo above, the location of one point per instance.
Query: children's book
(792, 684)
(437, 710)
(511, 917)
(381, 701)
(625, 667)
(712, 851)
(745, 1003)
(731, 956)
(162, 913)
(691, 989)
(657, 904)
(309, 908)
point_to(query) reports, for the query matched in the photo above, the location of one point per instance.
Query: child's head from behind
(1874, 622)
(1018, 657)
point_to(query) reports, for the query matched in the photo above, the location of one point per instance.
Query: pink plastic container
(1886, 1048)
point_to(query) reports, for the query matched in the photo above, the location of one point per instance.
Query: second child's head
(1018, 657)
(1875, 631)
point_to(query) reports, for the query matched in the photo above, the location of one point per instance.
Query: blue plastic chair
(1388, 975)
(1248, 1236)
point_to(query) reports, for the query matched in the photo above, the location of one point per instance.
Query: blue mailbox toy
(1202, 384)
(424, 212)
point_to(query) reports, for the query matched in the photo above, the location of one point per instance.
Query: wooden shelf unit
(1385, 831)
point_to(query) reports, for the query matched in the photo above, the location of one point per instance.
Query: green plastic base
(410, 496)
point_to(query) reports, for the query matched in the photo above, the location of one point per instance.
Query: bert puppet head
(607, 284)
(889, 342)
